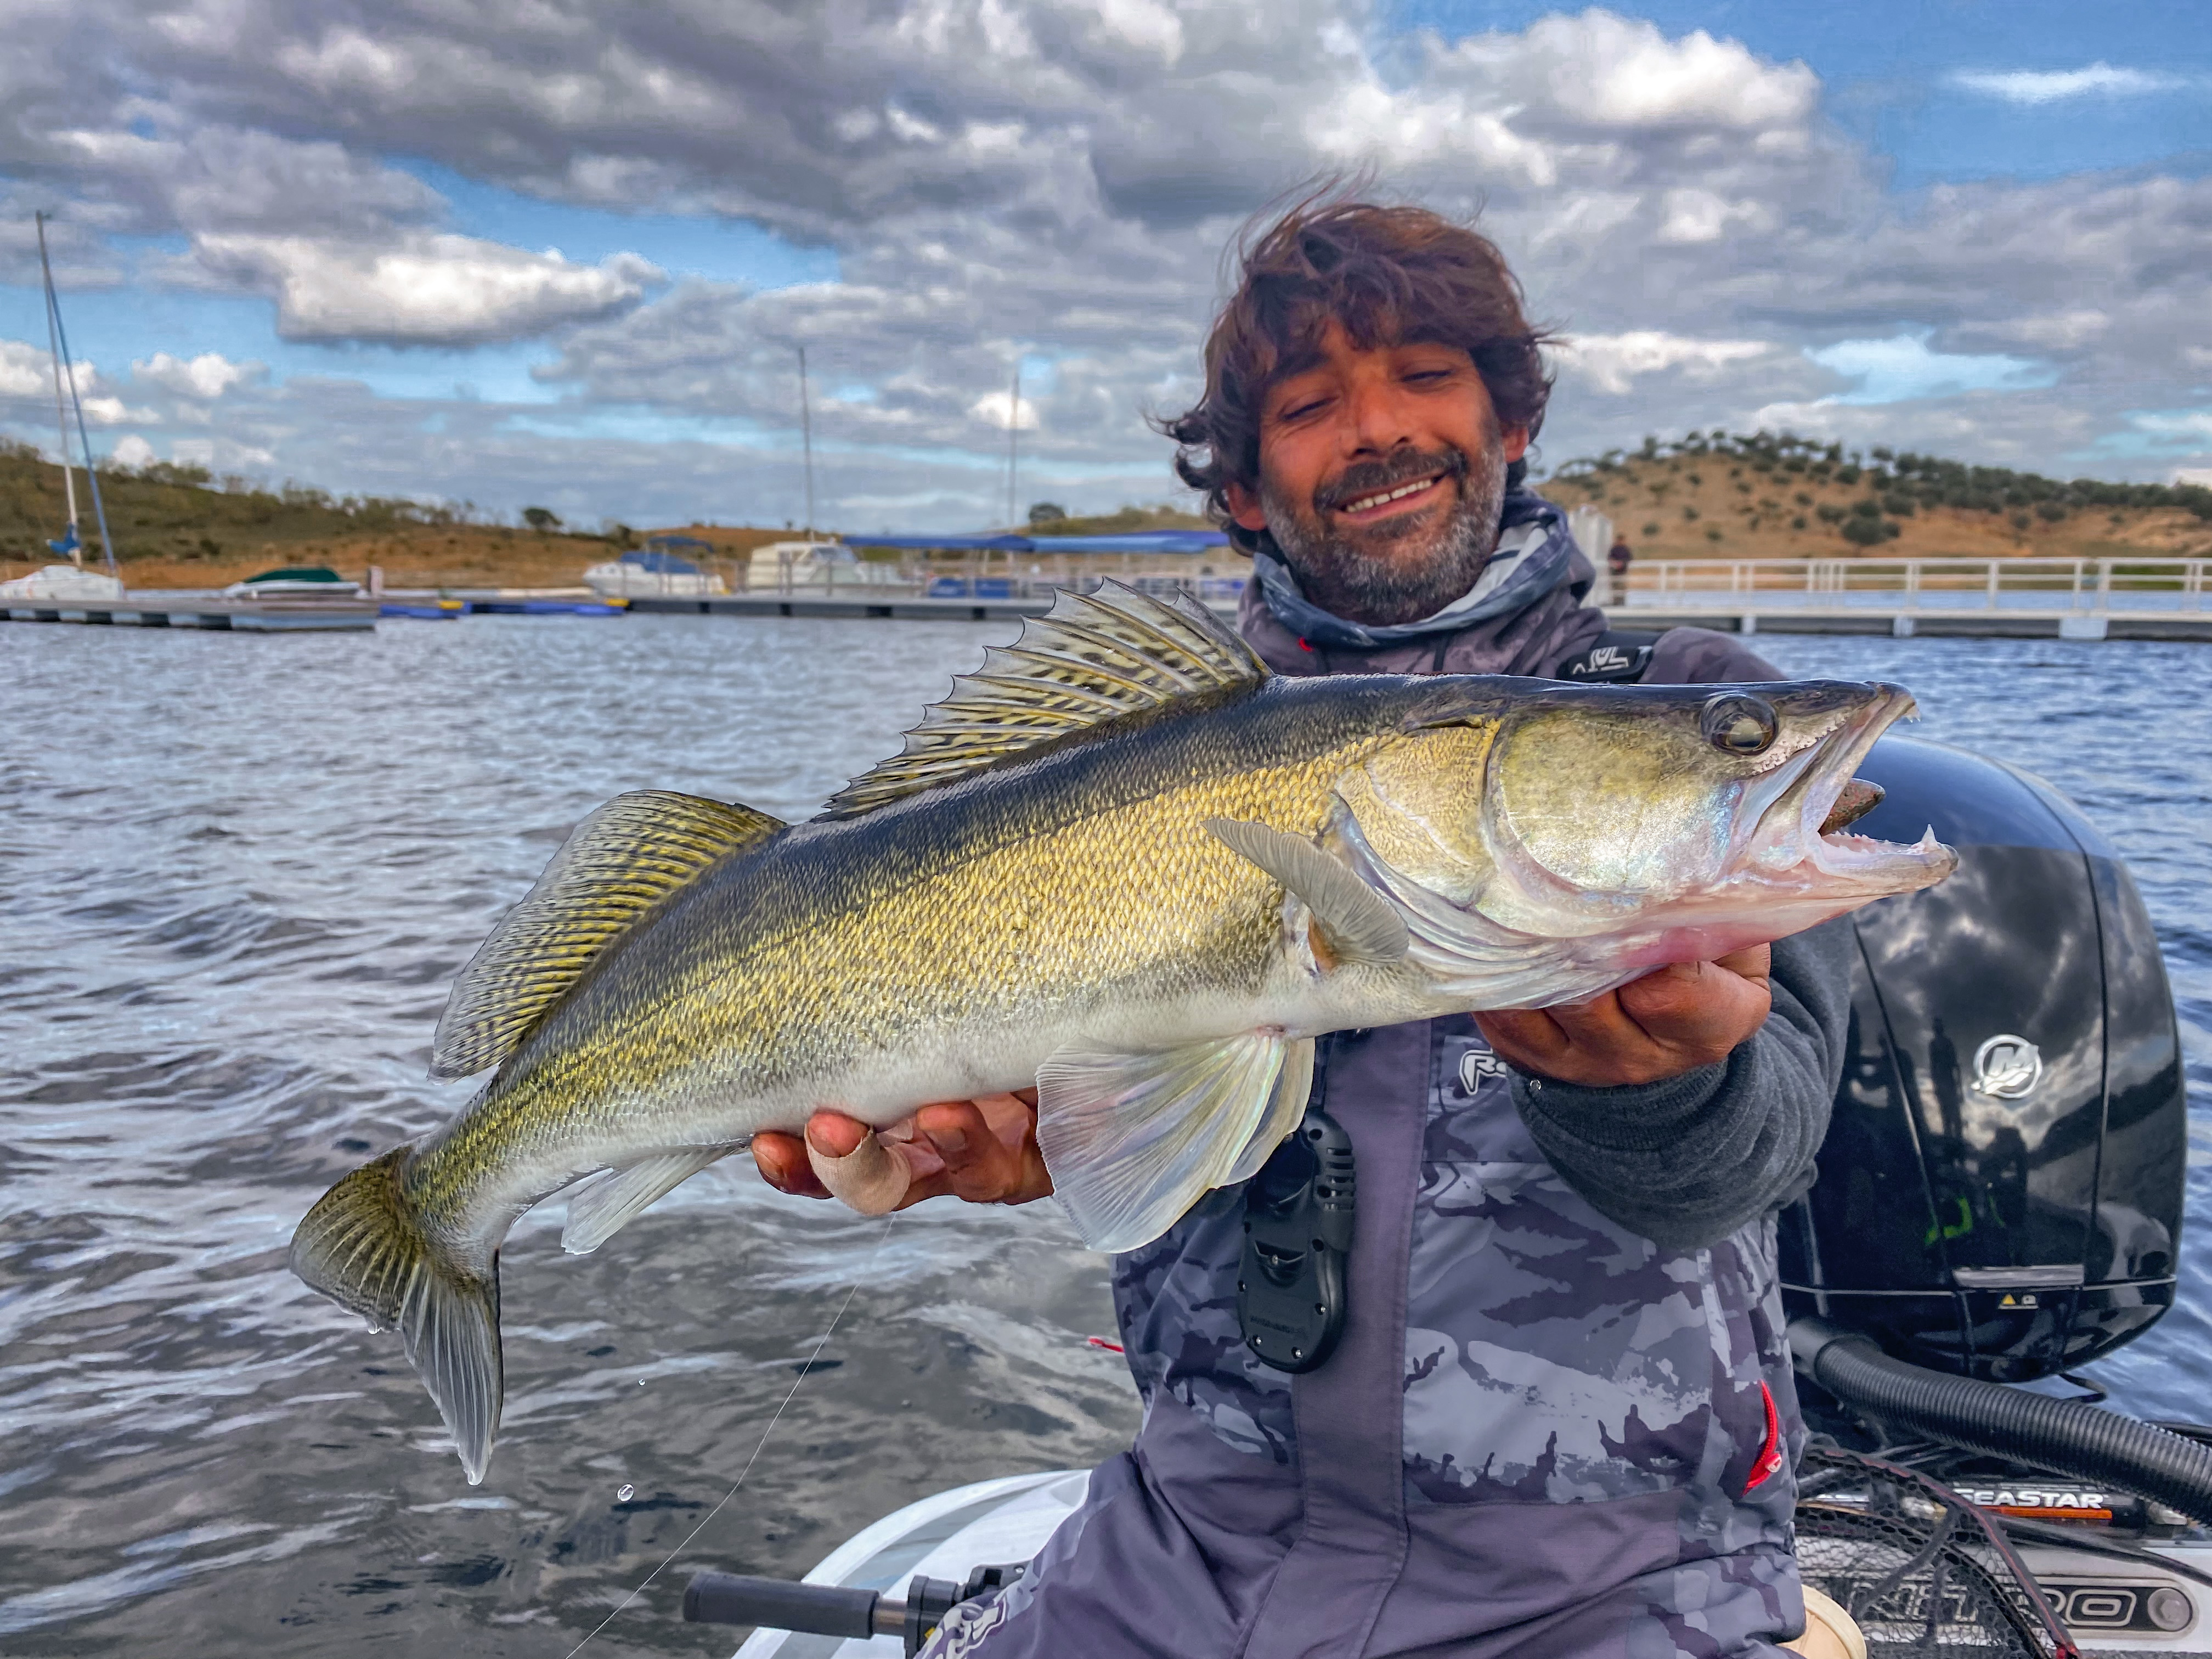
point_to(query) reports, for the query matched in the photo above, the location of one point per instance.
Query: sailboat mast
(1013, 425)
(806, 441)
(61, 410)
(69, 371)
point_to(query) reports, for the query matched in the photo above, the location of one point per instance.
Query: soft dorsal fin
(616, 865)
(1092, 657)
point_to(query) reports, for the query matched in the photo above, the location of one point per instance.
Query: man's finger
(1701, 1011)
(781, 1160)
(1528, 1038)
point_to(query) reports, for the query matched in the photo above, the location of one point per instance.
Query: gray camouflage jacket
(1560, 1421)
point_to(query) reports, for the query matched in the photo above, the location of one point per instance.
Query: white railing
(2150, 584)
(995, 578)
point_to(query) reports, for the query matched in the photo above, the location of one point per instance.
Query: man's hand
(1667, 1022)
(984, 1151)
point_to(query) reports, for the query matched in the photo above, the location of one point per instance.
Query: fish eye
(1739, 725)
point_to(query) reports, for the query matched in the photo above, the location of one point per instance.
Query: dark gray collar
(1534, 554)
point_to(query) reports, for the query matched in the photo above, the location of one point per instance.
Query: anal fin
(602, 1207)
(1132, 1140)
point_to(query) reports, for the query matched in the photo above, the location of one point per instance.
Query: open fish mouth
(1802, 829)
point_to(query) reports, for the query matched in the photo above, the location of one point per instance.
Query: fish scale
(1122, 863)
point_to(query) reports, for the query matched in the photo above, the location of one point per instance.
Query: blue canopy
(658, 563)
(1149, 541)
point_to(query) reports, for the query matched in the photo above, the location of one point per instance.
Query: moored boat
(304, 581)
(658, 571)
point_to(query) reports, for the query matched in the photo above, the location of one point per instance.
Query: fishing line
(804, 1371)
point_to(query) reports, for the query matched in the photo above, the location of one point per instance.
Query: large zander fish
(1121, 861)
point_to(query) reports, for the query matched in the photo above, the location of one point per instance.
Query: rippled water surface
(240, 875)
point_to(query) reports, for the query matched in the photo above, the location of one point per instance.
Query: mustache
(1399, 466)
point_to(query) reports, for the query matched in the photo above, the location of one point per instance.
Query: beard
(1404, 568)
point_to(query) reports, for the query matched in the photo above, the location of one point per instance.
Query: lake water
(241, 874)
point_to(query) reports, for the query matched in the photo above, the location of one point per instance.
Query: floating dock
(905, 607)
(154, 609)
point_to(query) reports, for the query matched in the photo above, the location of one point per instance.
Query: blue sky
(1981, 227)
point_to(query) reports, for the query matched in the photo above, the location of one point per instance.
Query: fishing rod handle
(731, 1598)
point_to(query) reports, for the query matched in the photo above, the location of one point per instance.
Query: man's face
(1381, 473)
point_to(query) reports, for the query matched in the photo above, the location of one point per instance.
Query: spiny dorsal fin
(1092, 657)
(616, 864)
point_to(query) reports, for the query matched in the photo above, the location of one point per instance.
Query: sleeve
(1687, 1161)
(1699, 656)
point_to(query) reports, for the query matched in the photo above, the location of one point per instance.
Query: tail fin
(363, 1247)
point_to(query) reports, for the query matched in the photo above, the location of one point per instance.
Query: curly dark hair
(1387, 274)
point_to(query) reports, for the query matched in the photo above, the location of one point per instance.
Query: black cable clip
(1291, 1291)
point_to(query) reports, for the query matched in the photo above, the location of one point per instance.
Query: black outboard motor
(2000, 1193)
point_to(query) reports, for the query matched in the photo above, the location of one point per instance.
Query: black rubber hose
(2063, 1436)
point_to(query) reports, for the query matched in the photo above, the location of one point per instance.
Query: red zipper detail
(1770, 1454)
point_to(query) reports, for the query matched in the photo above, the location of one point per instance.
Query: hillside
(1708, 495)
(175, 526)
(1780, 496)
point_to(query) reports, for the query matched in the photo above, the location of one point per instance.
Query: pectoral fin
(602, 1207)
(1132, 1140)
(1359, 923)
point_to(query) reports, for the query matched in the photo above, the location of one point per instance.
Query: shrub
(2051, 512)
(1797, 523)
(1847, 474)
(1652, 529)
(1897, 506)
(1864, 530)
(2021, 520)
(1712, 533)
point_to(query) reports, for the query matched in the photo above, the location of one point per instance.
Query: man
(1560, 1419)
(1618, 561)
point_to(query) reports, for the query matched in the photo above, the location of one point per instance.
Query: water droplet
(624, 1492)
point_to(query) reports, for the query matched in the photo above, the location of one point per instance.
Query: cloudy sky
(566, 252)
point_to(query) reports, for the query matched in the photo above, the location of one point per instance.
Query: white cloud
(2193, 475)
(132, 450)
(992, 407)
(1613, 362)
(27, 377)
(2188, 425)
(207, 376)
(2100, 79)
(1615, 71)
(424, 290)
(1700, 216)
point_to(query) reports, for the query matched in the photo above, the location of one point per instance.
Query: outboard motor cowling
(2000, 1193)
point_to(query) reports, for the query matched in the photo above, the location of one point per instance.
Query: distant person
(1618, 561)
(1561, 1424)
